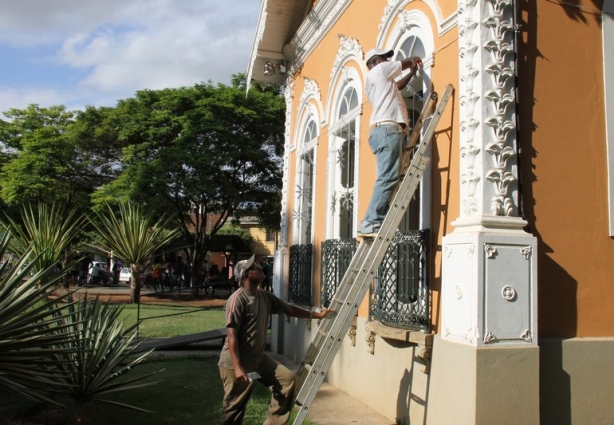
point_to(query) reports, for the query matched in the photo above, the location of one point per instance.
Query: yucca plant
(133, 237)
(97, 351)
(30, 326)
(48, 231)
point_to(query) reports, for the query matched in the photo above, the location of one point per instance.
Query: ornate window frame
(346, 72)
(309, 111)
(414, 23)
(347, 77)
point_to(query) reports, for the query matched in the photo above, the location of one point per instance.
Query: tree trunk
(135, 286)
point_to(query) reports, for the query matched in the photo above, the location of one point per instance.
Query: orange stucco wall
(361, 22)
(563, 154)
(564, 167)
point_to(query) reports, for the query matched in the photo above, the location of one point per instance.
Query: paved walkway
(331, 406)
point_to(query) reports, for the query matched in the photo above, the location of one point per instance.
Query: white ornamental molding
(487, 107)
(370, 338)
(311, 90)
(489, 337)
(289, 96)
(349, 48)
(458, 292)
(318, 23)
(352, 335)
(490, 251)
(508, 293)
(394, 7)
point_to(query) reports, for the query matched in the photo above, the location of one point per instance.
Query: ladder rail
(363, 267)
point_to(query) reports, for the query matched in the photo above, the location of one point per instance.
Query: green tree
(201, 152)
(55, 156)
(39, 155)
(133, 237)
(233, 229)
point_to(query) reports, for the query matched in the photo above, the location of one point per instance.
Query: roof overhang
(278, 22)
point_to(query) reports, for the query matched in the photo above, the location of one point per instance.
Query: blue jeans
(387, 142)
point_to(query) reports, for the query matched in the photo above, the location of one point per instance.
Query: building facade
(493, 304)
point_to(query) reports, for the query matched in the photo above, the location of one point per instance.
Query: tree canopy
(191, 153)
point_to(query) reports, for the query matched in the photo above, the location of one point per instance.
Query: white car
(101, 266)
(124, 275)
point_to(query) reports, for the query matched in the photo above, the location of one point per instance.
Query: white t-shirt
(383, 94)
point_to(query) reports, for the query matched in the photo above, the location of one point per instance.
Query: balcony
(301, 257)
(399, 295)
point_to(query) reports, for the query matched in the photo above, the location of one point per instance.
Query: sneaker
(366, 235)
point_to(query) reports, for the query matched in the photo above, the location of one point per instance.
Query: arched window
(304, 184)
(413, 96)
(342, 165)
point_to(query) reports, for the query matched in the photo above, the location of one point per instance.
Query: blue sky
(84, 52)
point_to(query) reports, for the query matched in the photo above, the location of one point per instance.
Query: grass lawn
(168, 321)
(189, 392)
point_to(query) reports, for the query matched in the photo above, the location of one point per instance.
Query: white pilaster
(489, 281)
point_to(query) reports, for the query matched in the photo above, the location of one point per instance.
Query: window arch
(342, 159)
(305, 181)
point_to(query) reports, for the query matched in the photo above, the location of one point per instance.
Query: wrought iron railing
(336, 257)
(300, 273)
(399, 295)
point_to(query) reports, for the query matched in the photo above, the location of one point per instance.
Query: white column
(489, 261)
(489, 276)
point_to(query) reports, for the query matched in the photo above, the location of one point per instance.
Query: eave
(278, 22)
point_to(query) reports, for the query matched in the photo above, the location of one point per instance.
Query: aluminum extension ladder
(364, 264)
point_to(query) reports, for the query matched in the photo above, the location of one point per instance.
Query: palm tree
(48, 231)
(133, 237)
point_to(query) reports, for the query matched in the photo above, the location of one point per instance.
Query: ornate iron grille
(336, 257)
(399, 295)
(300, 273)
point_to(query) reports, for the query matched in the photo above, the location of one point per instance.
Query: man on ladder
(387, 131)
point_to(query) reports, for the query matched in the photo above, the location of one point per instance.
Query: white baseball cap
(243, 265)
(378, 52)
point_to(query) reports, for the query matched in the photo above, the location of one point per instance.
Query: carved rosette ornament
(352, 335)
(370, 338)
(487, 108)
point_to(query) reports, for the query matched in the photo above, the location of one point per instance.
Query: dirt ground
(168, 298)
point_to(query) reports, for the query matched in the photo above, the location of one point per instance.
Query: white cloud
(109, 50)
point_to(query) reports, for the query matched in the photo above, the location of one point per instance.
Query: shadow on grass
(189, 392)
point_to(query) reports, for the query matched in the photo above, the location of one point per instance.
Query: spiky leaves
(133, 237)
(28, 326)
(100, 352)
(47, 230)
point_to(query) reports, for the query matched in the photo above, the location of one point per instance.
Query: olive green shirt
(249, 315)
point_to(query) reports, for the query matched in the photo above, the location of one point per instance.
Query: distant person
(214, 273)
(84, 267)
(178, 271)
(267, 269)
(243, 360)
(95, 274)
(117, 268)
